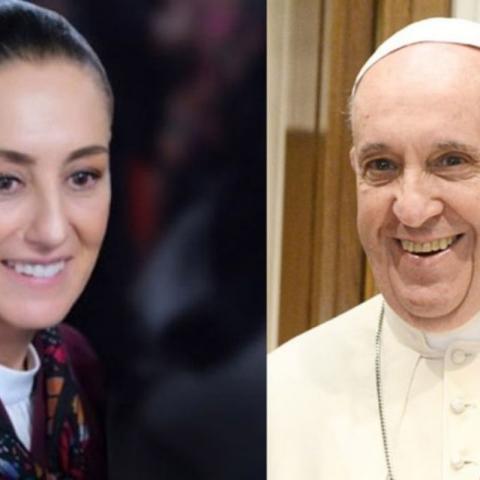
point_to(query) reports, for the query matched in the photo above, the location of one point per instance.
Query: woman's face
(54, 188)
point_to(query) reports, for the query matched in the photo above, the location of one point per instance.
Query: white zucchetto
(443, 30)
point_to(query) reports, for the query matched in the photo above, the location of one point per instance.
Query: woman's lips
(36, 272)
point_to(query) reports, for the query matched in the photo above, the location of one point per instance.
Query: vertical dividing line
(317, 168)
(340, 139)
(375, 22)
(410, 11)
(366, 288)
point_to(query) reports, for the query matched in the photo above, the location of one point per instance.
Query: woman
(55, 120)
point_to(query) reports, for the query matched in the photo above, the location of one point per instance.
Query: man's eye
(83, 179)
(381, 164)
(9, 184)
(379, 170)
(451, 160)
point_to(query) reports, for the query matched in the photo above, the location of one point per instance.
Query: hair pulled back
(31, 33)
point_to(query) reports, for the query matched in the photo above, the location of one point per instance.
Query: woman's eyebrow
(88, 152)
(20, 158)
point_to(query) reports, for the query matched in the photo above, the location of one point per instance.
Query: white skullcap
(445, 30)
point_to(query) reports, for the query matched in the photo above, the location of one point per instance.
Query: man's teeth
(427, 247)
(37, 270)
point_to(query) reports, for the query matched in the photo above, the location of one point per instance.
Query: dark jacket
(87, 372)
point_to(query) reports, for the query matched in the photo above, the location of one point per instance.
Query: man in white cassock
(391, 389)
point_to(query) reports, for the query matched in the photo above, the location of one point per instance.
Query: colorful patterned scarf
(67, 433)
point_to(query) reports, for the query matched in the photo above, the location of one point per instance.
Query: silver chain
(378, 380)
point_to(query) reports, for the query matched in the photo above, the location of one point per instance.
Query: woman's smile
(37, 272)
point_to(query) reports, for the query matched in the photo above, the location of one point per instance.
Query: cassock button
(458, 357)
(457, 405)
(457, 462)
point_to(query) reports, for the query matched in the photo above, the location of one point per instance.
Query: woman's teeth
(36, 270)
(428, 247)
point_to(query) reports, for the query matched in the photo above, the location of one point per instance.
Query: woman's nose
(416, 202)
(48, 225)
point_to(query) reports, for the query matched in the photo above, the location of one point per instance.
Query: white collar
(16, 385)
(433, 345)
(469, 332)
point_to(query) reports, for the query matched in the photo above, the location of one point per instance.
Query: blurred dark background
(176, 306)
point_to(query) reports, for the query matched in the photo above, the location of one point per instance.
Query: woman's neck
(13, 347)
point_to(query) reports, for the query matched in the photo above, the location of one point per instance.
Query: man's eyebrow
(20, 158)
(454, 145)
(375, 148)
(371, 148)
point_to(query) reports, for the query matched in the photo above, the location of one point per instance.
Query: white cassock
(323, 420)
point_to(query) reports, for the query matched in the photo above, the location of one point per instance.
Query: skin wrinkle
(351, 101)
(372, 153)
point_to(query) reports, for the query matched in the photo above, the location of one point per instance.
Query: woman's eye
(9, 184)
(83, 180)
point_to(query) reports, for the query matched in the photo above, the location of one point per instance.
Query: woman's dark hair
(29, 32)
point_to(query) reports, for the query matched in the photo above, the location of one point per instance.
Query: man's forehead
(437, 103)
(418, 73)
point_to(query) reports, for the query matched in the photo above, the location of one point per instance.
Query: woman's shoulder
(90, 379)
(85, 364)
(80, 351)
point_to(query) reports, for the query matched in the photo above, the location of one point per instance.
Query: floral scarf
(67, 433)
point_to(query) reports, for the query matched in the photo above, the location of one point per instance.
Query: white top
(322, 411)
(15, 392)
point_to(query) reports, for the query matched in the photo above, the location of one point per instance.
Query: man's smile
(428, 248)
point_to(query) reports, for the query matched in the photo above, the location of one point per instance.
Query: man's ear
(353, 159)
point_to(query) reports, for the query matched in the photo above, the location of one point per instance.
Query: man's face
(416, 154)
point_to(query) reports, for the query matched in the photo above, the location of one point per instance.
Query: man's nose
(48, 225)
(416, 201)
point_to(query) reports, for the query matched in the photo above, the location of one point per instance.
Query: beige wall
(469, 9)
(277, 36)
(293, 38)
(316, 268)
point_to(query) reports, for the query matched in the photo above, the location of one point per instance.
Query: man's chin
(430, 310)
